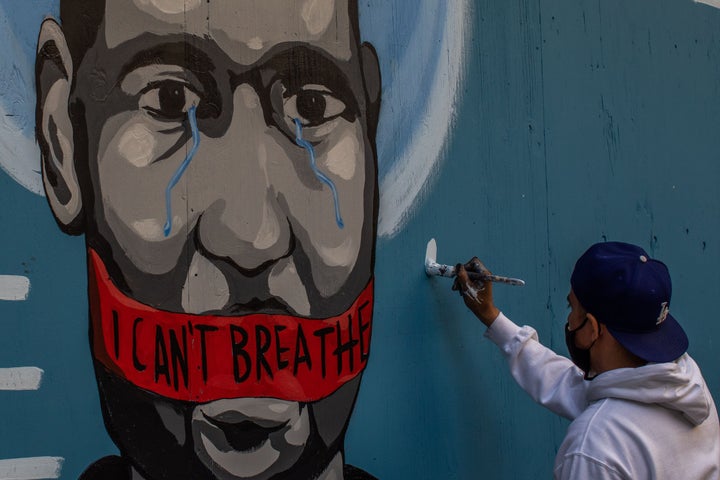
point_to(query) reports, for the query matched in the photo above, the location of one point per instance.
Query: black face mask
(579, 356)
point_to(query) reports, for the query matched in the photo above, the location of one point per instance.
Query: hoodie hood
(674, 385)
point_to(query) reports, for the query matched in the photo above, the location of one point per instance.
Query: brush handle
(496, 278)
(433, 268)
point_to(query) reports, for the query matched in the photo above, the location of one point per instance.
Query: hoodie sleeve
(550, 379)
(576, 466)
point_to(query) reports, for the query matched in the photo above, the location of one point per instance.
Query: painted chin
(250, 437)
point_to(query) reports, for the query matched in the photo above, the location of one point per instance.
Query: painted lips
(245, 435)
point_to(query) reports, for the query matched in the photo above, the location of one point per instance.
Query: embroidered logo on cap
(664, 311)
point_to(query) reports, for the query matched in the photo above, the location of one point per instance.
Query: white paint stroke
(712, 3)
(19, 154)
(402, 186)
(31, 468)
(20, 379)
(14, 288)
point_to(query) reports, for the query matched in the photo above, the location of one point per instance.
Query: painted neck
(334, 470)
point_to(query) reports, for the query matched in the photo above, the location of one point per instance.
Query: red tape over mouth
(201, 358)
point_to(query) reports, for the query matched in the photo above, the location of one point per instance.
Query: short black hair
(81, 20)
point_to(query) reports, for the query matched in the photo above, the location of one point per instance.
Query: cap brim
(665, 344)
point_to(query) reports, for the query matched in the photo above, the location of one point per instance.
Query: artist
(219, 157)
(639, 406)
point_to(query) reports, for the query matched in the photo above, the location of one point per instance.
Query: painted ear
(371, 78)
(54, 130)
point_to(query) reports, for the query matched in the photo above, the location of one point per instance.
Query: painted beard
(155, 436)
(156, 370)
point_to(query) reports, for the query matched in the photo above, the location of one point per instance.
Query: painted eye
(313, 105)
(168, 100)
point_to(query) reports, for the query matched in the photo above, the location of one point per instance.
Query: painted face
(232, 171)
(252, 225)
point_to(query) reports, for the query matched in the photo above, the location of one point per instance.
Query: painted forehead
(244, 29)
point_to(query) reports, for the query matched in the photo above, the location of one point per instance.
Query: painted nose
(242, 220)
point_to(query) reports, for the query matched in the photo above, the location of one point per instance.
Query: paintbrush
(434, 268)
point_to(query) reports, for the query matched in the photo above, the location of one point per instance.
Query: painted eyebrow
(300, 60)
(300, 65)
(296, 63)
(179, 53)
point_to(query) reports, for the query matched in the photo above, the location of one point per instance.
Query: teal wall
(579, 121)
(576, 121)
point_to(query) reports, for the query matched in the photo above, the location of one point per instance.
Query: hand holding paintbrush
(434, 268)
(472, 280)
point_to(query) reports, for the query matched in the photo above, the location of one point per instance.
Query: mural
(214, 212)
(220, 160)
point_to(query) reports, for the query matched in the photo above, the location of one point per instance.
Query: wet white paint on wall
(31, 468)
(14, 288)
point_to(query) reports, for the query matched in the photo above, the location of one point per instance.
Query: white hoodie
(656, 422)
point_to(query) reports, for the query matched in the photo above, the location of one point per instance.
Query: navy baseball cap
(629, 293)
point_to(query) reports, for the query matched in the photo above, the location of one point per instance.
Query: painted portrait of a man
(219, 158)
